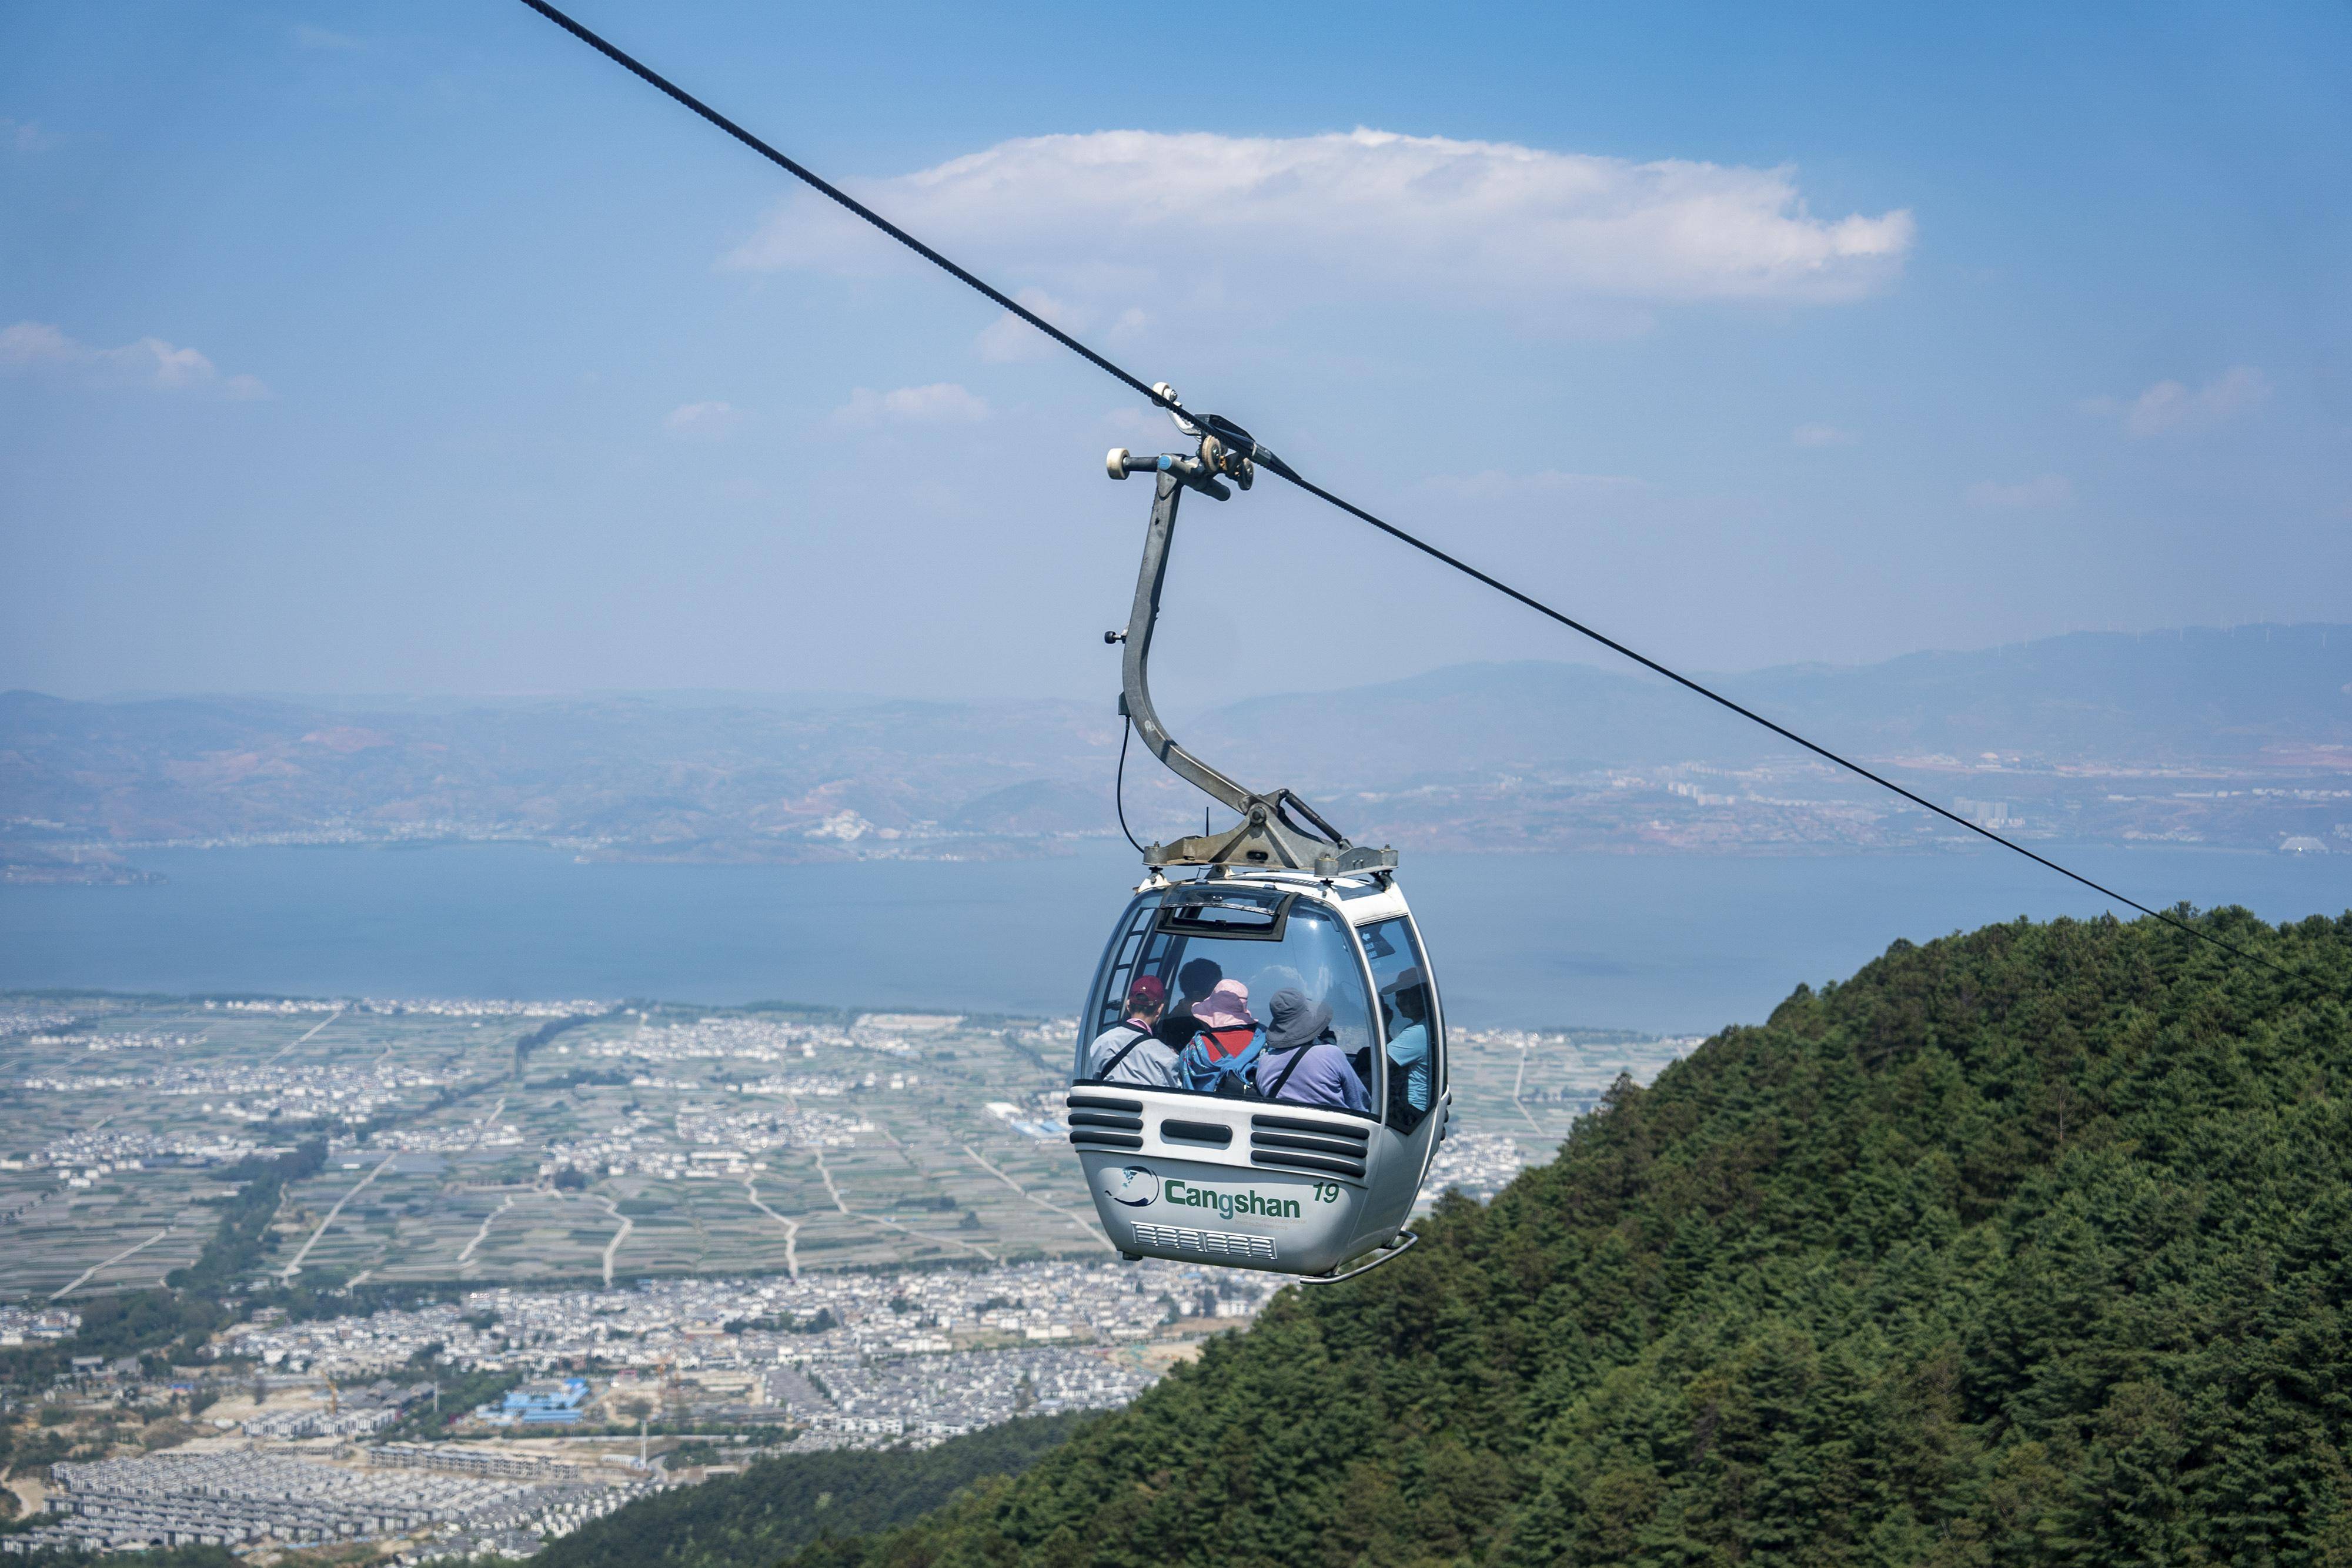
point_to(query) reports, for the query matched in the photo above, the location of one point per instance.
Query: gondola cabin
(1216, 1169)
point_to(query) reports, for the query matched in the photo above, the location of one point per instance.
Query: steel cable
(834, 192)
(1541, 607)
(1283, 470)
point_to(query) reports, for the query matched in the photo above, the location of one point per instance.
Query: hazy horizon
(1196, 703)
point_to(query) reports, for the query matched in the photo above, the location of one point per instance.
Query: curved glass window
(1409, 1020)
(1188, 987)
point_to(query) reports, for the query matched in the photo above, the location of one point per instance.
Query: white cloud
(1821, 435)
(2032, 495)
(941, 402)
(150, 362)
(24, 136)
(703, 421)
(2170, 407)
(1104, 219)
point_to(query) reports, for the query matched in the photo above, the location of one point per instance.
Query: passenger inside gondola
(1217, 954)
(1407, 999)
(1217, 1061)
(1131, 1050)
(1302, 1062)
(1194, 981)
(1408, 1019)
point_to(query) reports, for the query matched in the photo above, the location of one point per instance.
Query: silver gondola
(1280, 902)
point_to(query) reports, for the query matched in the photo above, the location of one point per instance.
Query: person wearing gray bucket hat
(1300, 1064)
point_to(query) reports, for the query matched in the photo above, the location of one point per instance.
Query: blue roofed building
(554, 1402)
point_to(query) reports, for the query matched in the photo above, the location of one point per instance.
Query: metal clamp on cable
(1226, 451)
(1187, 471)
(1225, 446)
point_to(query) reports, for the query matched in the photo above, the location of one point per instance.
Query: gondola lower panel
(1236, 1183)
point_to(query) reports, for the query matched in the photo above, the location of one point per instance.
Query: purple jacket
(1324, 1078)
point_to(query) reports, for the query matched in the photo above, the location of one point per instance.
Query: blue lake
(1680, 944)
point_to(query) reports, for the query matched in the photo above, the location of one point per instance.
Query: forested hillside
(748, 1520)
(2030, 1246)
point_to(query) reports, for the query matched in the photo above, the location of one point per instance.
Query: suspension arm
(1135, 688)
(1269, 834)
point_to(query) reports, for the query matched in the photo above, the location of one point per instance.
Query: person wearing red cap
(1127, 1052)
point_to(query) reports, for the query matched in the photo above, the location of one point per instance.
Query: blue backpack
(1228, 1076)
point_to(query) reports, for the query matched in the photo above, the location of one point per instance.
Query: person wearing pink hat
(1227, 1022)
(1227, 1042)
(1213, 1061)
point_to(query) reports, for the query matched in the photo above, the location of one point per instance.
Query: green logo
(1184, 1195)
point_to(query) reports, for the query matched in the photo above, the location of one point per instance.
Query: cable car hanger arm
(1269, 835)
(1239, 440)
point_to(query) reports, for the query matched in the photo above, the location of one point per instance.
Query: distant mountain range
(2240, 736)
(2248, 696)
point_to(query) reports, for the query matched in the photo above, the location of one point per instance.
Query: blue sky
(350, 349)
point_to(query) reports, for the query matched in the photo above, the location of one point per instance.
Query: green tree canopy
(747, 1521)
